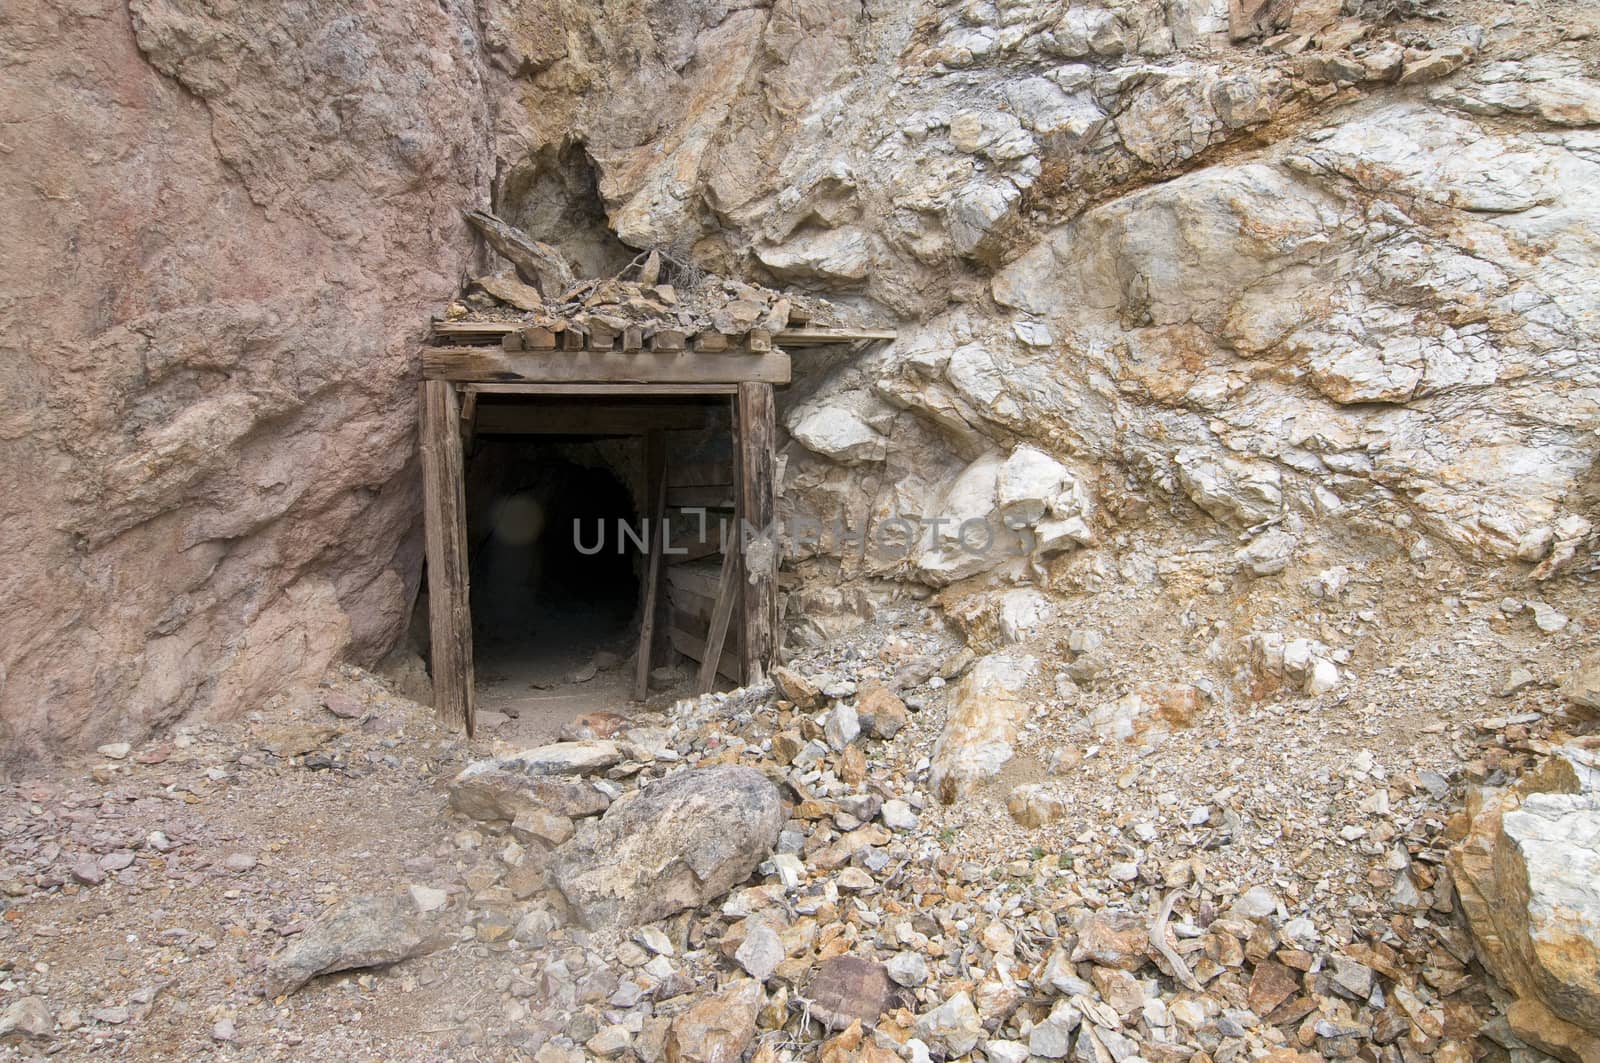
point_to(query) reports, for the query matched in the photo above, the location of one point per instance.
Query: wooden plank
(641, 390)
(691, 607)
(694, 649)
(655, 485)
(700, 473)
(469, 418)
(587, 419)
(757, 433)
(455, 329)
(817, 337)
(701, 496)
(491, 364)
(692, 551)
(444, 519)
(697, 579)
(721, 613)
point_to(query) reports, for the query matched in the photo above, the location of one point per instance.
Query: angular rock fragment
(368, 931)
(719, 1028)
(536, 780)
(1528, 878)
(846, 989)
(27, 1017)
(982, 726)
(677, 844)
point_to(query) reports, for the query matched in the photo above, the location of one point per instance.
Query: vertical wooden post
(721, 614)
(655, 489)
(757, 428)
(444, 515)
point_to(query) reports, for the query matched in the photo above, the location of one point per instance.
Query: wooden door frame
(444, 523)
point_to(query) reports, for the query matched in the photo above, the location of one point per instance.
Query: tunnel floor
(554, 619)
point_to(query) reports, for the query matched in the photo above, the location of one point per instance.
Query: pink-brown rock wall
(227, 225)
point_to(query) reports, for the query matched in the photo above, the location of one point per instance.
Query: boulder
(1582, 685)
(846, 989)
(1528, 876)
(1027, 485)
(880, 711)
(27, 1017)
(367, 931)
(981, 728)
(796, 687)
(676, 844)
(839, 434)
(719, 1028)
(487, 792)
(539, 780)
(1035, 804)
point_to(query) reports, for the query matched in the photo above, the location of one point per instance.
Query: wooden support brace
(655, 485)
(444, 519)
(721, 613)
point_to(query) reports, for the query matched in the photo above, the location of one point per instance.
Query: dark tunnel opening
(544, 599)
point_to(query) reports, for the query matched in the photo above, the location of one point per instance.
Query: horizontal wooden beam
(794, 337)
(702, 496)
(637, 390)
(601, 419)
(490, 364)
(819, 337)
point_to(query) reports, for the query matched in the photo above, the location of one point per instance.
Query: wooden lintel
(600, 419)
(637, 390)
(492, 364)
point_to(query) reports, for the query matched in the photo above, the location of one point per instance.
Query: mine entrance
(662, 403)
(559, 522)
(580, 527)
(556, 589)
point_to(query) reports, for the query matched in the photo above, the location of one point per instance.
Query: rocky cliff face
(226, 228)
(1272, 283)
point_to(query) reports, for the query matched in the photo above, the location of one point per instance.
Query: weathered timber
(490, 364)
(639, 390)
(537, 263)
(721, 614)
(712, 342)
(703, 496)
(668, 339)
(539, 338)
(444, 519)
(655, 485)
(469, 419)
(756, 419)
(695, 649)
(817, 337)
(586, 419)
